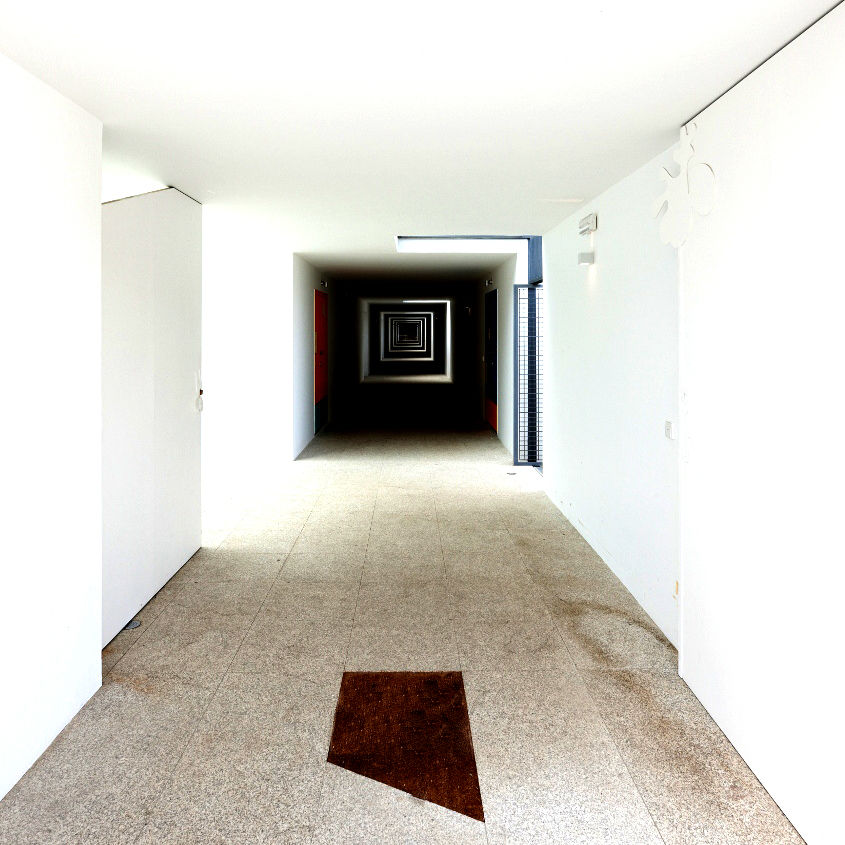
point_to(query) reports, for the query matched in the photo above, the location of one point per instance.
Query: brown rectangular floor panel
(409, 730)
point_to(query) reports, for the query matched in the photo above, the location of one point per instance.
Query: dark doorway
(491, 364)
(405, 317)
(321, 359)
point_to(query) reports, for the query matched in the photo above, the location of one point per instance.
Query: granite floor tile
(252, 772)
(100, 777)
(322, 601)
(303, 626)
(608, 629)
(403, 503)
(548, 768)
(268, 541)
(394, 544)
(398, 500)
(403, 627)
(353, 486)
(503, 623)
(125, 639)
(226, 565)
(194, 645)
(386, 602)
(460, 515)
(284, 517)
(118, 647)
(410, 476)
(239, 597)
(553, 550)
(344, 504)
(509, 641)
(404, 537)
(696, 786)
(329, 566)
(393, 552)
(112, 652)
(356, 810)
(319, 539)
(342, 519)
(385, 567)
(278, 642)
(411, 645)
(571, 578)
(474, 540)
(279, 699)
(486, 565)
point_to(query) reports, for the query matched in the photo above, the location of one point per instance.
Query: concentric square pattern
(407, 336)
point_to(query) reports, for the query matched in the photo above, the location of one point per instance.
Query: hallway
(393, 552)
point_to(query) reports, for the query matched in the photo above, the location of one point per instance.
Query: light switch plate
(669, 429)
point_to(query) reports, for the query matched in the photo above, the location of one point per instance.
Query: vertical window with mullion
(528, 343)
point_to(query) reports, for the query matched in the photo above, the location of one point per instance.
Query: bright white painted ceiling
(354, 122)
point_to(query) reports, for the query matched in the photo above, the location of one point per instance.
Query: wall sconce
(588, 224)
(488, 282)
(323, 283)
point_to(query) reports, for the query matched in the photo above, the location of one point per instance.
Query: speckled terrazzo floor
(415, 552)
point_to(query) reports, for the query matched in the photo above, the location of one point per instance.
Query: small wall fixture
(488, 282)
(585, 259)
(323, 283)
(588, 224)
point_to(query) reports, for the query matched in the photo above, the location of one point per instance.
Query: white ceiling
(353, 122)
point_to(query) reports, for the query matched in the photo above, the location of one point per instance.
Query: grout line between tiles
(453, 617)
(544, 594)
(449, 595)
(318, 806)
(198, 722)
(621, 756)
(360, 581)
(146, 628)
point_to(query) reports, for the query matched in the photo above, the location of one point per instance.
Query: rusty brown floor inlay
(409, 730)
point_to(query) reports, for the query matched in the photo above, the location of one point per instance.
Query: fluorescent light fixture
(585, 259)
(460, 245)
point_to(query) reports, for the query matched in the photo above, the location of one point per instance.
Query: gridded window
(528, 314)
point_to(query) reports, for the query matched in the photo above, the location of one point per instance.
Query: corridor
(393, 552)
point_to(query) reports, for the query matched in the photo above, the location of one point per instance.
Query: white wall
(306, 279)
(50, 479)
(762, 352)
(611, 383)
(152, 278)
(247, 363)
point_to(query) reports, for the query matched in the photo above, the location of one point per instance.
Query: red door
(321, 358)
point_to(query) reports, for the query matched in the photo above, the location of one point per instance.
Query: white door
(152, 282)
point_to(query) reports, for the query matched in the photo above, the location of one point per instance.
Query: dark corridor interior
(409, 328)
